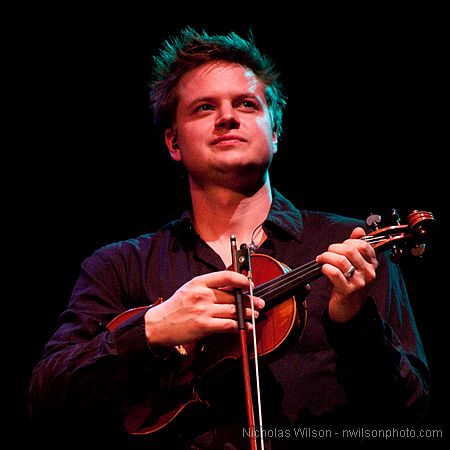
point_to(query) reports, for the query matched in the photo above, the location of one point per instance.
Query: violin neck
(283, 286)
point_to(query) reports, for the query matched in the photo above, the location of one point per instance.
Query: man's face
(223, 124)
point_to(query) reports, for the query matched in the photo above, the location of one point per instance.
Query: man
(359, 359)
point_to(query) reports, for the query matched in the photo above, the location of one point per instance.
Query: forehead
(220, 78)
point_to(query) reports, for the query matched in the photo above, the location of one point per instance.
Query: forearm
(80, 373)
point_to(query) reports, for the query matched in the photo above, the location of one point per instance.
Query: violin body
(195, 366)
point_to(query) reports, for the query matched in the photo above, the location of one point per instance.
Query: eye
(249, 104)
(205, 107)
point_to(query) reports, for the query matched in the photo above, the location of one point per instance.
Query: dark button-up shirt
(370, 370)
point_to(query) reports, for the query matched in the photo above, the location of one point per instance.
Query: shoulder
(313, 220)
(330, 220)
(321, 229)
(139, 246)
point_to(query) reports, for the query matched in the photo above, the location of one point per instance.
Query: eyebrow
(200, 100)
(209, 99)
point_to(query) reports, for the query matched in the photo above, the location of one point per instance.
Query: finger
(356, 251)
(222, 296)
(249, 313)
(357, 233)
(227, 297)
(364, 248)
(342, 260)
(334, 274)
(229, 312)
(258, 302)
(224, 278)
(226, 325)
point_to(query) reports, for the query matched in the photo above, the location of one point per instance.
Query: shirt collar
(282, 215)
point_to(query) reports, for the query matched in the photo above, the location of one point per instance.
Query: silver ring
(350, 272)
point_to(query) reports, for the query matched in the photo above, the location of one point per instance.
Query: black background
(364, 132)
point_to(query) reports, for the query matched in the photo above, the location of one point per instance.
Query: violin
(281, 323)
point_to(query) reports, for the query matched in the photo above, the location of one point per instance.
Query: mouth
(228, 139)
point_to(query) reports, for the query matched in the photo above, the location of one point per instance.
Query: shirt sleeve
(380, 358)
(88, 370)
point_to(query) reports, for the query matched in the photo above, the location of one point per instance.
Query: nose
(227, 118)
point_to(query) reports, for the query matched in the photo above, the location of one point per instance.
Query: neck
(218, 213)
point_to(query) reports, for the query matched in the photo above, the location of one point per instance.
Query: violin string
(286, 278)
(281, 281)
(255, 352)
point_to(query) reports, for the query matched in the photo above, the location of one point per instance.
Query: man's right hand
(202, 306)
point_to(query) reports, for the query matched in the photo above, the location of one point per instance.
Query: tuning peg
(373, 220)
(418, 249)
(396, 254)
(395, 216)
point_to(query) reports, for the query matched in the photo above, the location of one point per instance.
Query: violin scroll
(397, 237)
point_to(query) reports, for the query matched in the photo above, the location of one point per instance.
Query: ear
(275, 141)
(171, 139)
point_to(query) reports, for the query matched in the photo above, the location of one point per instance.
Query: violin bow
(241, 264)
